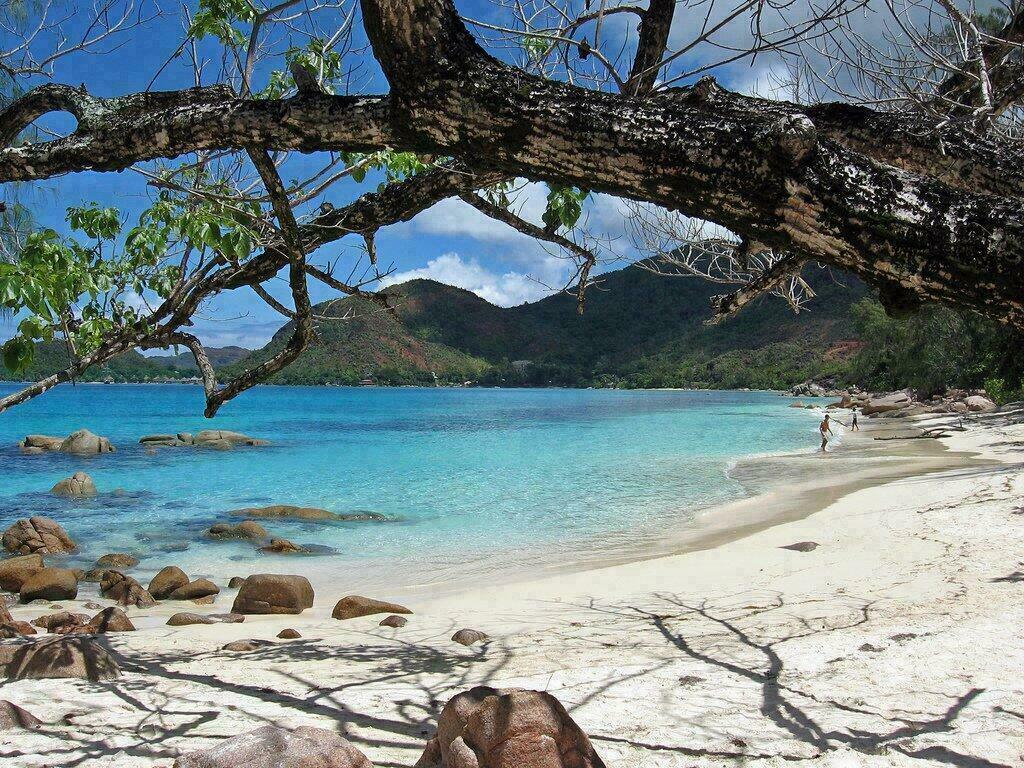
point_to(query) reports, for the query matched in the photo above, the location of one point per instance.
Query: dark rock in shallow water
(283, 547)
(75, 656)
(247, 529)
(274, 747)
(353, 606)
(117, 560)
(802, 546)
(288, 511)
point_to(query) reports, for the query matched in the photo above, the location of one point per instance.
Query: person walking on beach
(825, 430)
(855, 428)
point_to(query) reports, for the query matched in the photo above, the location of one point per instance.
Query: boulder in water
(79, 485)
(283, 547)
(38, 535)
(247, 529)
(85, 443)
(41, 443)
(270, 593)
(289, 511)
(354, 606)
(275, 747)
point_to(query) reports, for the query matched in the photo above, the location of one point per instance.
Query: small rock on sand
(185, 618)
(269, 746)
(288, 634)
(802, 546)
(469, 636)
(394, 621)
(353, 606)
(245, 645)
(111, 619)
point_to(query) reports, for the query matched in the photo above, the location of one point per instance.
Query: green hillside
(639, 329)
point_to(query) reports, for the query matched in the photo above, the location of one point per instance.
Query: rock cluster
(218, 439)
(905, 403)
(38, 535)
(80, 443)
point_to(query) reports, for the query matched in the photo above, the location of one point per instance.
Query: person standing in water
(826, 430)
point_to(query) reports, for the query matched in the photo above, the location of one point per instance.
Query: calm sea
(465, 476)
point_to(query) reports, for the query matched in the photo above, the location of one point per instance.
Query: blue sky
(450, 242)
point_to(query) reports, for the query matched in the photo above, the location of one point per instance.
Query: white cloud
(505, 290)
(454, 218)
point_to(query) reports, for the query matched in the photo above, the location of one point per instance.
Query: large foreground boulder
(166, 581)
(85, 443)
(512, 728)
(270, 593)
(50, 584)
(274, 747)
(38, 535)
(76, 656)
(15, 570)
(13, 716)
(79, 485)
(354, 606)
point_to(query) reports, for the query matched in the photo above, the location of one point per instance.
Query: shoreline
(895, 641)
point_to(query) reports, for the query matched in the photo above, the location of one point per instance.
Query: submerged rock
(512, 728)
(208, 438)
(354, 606)
(50, 584)
(274, 747)
(289, 511)
(247, 529)
(77, 486)
(117, 560)
(283, 547)
(38, 535)
(268, 593)
(166, 581)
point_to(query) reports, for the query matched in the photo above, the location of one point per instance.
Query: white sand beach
(896, 641)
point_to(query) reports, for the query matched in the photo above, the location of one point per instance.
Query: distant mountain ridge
(639, 329)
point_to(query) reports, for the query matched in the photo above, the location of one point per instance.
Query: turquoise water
(464, 476)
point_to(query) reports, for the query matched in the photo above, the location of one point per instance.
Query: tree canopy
(889, 149)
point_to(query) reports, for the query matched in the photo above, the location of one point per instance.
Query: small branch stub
(795, 136)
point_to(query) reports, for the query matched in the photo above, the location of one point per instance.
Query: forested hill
(639, 329)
